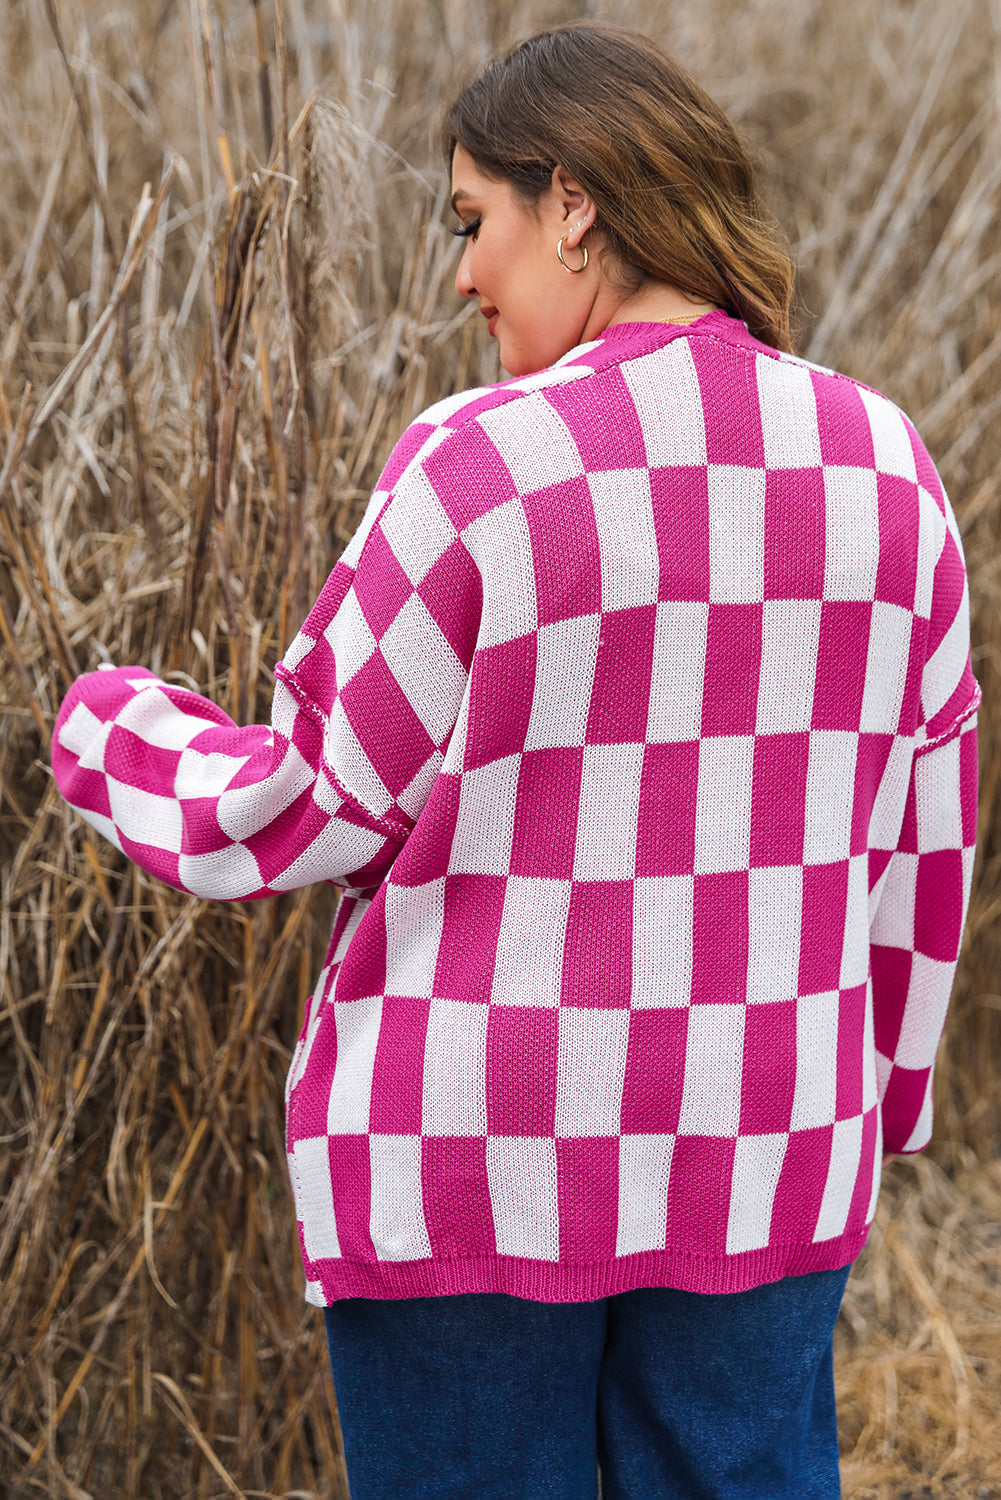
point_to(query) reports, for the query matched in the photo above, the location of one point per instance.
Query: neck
(654, 302)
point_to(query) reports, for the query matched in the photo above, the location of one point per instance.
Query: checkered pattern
(638, 722)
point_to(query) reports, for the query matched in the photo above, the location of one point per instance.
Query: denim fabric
(679, 1396)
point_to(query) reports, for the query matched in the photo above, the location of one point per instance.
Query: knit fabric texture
(637, 721)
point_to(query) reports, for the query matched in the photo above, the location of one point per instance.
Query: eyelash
(468, 231)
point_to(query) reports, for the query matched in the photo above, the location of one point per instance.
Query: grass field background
(225, 288)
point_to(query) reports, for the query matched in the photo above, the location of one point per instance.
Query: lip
(491, 314)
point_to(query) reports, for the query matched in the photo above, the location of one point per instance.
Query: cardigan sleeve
(365, 702)
(917, 928)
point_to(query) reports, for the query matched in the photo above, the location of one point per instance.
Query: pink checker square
(381, 586)
(457, 1208)
(545, 818)
(906, 1091)
(159, 862)
(655, 1067)
(427, 857)
(404, 452)
(501, 689)
(83, 788)
(908, 840)
(620, 697)
(698, 1194)
(363, 969)
(947, 594)
(858, 1210)
(587, 1178)
(800, 1190)
(870, 764)
(316, 674)
(521, 1070)
(825, 900)
(665, 835)
(565, 550)
(603, 445)
(720, 938)
(387, 728)
(891, 977)
(845, 437)
(680, 499)
(351, 1181)
(288, 834)
(329, 601)
(778, 799)
(448, 469)
(397, 1085)
(467, 949)
(896, 576)
(851, 1052)
(925, 470)
(795, 534)
(938, 905)
(733, 668)
(136, 762)
(768, 1079)
(841, 664)
(598, 952)
(730, 393)
(453, 594)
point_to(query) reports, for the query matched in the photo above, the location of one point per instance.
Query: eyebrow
(457, 198)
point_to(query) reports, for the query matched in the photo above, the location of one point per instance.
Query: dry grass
(198, 383)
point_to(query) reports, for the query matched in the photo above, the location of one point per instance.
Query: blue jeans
(676, 1395)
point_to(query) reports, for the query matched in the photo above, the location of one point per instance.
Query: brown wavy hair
(672, 181)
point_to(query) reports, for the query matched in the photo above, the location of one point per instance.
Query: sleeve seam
(952, 729)
(385, 825)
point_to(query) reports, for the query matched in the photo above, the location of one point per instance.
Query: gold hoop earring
(574, 270)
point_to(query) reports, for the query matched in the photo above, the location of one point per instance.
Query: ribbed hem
(541, 1281)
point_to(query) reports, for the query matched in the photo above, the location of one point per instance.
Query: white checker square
(851, 546)
(924, 1014)
(359, 909)
(566, 654)
(665, 391)
(591, 1067)
(396, 1216)
(357, 1023)
(757, 1165)
(870, 1093)
(890, 441)
(644, 1174)
(343, 753)
(304, 1046)
(678, 676)
(415, 525)
(245, 810)
(893, 924)
(663, 924)
(501, 546)
(534, 442)
(227, 874)
(944, 669)
(337, 850)
(830, 796)
(455, 1069)
(714, 1054)
(855, 953)
(921, 1134)
(790, 639)
(775, 911)
(350, 638)
(627, 540)
(415, 915)
(199, 775)
(353, 551)
(842, 1174)
(310, 1161)
(416, 793)
(609, 813)
(788, 410)
(886, 668)
(932, 532)
(521, 1172)
(815, 1098)
(484, 827)
(85, 736)
(529, 965)
(144, 817)
(736, 534)
(723, 803)
(891, 795)
(430, 674)
(155, 719)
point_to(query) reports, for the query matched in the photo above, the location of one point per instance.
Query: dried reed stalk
(191, 425)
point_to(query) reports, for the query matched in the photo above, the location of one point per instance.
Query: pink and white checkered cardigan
(638, 722)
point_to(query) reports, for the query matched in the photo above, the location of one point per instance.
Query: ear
(576, 207)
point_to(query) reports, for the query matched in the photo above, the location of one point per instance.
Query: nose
(463, 278)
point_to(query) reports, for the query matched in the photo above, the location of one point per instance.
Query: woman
(637, 722)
